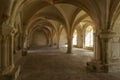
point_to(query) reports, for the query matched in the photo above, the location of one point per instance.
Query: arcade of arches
(89, 24)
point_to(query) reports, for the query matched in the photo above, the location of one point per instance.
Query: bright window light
(75, 38)
(89, 37)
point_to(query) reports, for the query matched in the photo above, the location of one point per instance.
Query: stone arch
(38, 21)
(45, 29)
(41, 35)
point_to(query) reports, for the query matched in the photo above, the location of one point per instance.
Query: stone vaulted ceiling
(69, 13)
(64, 14)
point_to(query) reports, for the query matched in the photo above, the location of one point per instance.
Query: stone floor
(54, 64)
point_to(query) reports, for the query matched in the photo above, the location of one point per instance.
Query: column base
(8, 70)
(13, 75)
(114, 67)
(24, 53)
(69, 52)
(95, 66)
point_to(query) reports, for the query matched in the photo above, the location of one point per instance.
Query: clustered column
(7, 41)
(100, 62)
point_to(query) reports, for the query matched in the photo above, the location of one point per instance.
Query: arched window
(74, 41)
(89, 36)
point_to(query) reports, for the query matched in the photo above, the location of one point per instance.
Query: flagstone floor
(54, 64)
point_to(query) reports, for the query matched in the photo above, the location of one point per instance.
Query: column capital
(8, 29)
(107, 34)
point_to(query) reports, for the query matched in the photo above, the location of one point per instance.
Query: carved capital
(107, 34)
(7, 29)
(4, 17)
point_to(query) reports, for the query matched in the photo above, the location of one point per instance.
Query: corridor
(68, 27)
(55, 64)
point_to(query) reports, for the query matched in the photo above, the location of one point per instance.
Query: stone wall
(39, 39)
(63, 39)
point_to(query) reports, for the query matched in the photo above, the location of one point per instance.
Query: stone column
(79, 39)
(8, 49)
(51, 41)
(25, 45)
(12, 50)
(100, 62)
(69, 48)
(97, 45)
(47, 41)
(105, 38)
(4, 54)
(7, 56)
(83, 38)
(22, 41)
(58, 39)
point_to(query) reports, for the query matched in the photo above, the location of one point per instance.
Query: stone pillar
(52, 42)
(49, 40)
(105, 38)
(25, 45)
(21, 35)
(7, 56)
(79, 38)
(83, 38)
(100, 62)
(12, 50)
(4, 54)
(69, 48)
(97, 45)
(58, 39)
(8, 50)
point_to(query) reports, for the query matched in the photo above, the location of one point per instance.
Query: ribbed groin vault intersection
(59, 39)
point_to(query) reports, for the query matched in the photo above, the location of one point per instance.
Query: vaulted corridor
(82, 39)
(55, 64)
